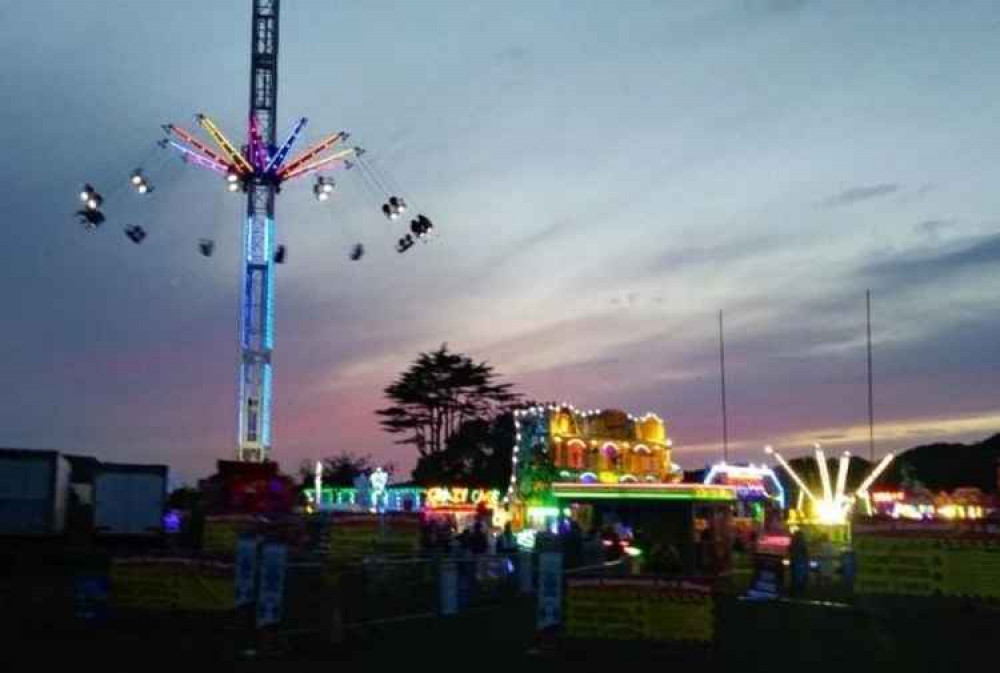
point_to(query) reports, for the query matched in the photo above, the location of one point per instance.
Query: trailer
(129, 499)
(34, 488)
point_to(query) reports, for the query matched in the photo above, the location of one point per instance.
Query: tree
(477, 454)
(439, 393)
(339, 470)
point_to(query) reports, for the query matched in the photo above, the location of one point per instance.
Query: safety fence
(913, 601)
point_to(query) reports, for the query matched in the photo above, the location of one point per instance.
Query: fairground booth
(760, 504)
(463, 506)
(460, 507)
(610, 473)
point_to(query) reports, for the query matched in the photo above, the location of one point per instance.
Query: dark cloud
(858, 194)
(931, 265)
(729, 251)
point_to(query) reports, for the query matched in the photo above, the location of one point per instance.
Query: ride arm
(191, 144)
(311, 153)
(286, 147)
(188, 154)
(343, 155)
(235, 156)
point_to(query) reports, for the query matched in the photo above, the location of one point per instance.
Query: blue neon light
(286, 147)
(269, 289)
(265, 407)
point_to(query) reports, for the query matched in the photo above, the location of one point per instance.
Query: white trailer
(34, 488)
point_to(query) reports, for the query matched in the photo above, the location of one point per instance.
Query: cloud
(929, 265)
(732, 250)
(858, 194)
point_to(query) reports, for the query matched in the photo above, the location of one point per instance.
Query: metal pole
(871, 402)
(722, 372)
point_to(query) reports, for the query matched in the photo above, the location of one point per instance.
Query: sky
(604, 178)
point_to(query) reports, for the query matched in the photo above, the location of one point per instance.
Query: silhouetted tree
(339, 470)
(477, 454)
(439, 393)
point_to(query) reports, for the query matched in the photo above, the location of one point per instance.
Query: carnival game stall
(464, 506)
(608, 474)
(760, 504)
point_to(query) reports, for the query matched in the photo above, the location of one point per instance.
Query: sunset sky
(604, 177)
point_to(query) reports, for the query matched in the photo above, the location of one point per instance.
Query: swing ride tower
(257, 258)
(258, 169)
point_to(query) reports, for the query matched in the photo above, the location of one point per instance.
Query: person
(798, 552)
(826, 560)
(478, 542)
(506, 542)
(464, 541)
(573, 545)
(706, 550)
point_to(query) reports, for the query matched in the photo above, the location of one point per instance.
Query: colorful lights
(525, 538)
(835, 507)
(311, 153)
(286, 146)
(610, 447)
(318, 482)
(542, 513)
(378, 481)
(234, 155)
(341, 156)
(643, 492)
(748, 480)
(870, 479)
(440, 497)
(200, 149)
(887, 496)
(258, 149)
(190, 155)
(824, 474)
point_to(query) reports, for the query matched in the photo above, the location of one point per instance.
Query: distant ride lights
(834, 506)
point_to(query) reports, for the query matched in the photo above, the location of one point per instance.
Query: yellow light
(792, 473)
(830, 513)
(870, 479)
(824, 474)
(842, 469)
(224, 143)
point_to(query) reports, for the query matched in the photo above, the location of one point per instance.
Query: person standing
(798, 552)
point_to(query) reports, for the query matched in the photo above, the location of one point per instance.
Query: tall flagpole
(871, 402)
